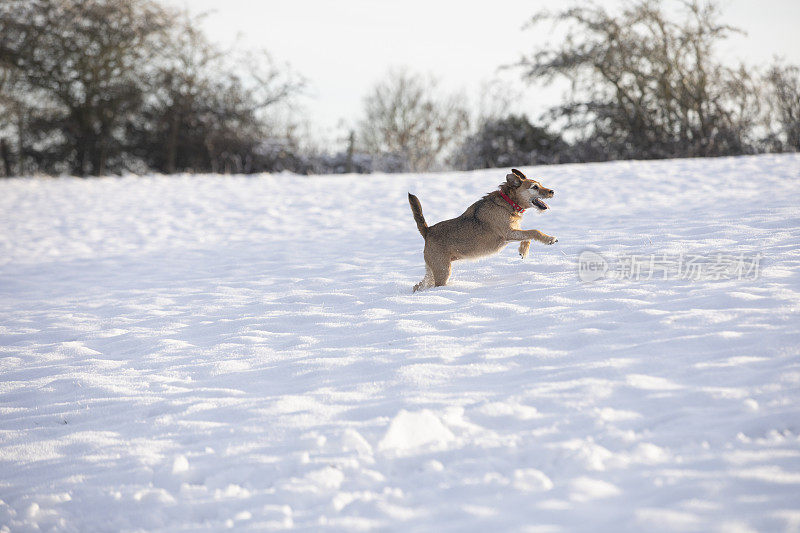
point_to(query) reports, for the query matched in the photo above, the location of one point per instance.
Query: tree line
(90, 87)
(94, 87)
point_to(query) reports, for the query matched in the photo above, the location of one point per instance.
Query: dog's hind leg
(437, 263)
(426, 282)
(441, 273)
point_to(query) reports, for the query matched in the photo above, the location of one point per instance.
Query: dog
(483, 229)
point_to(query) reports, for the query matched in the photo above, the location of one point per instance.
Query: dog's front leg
(524, 246)
(531, 234)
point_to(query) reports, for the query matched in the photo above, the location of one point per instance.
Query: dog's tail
(416, 210)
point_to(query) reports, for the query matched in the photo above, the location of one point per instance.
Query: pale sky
(344, 47)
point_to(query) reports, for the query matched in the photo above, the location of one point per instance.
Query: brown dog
(483, 229)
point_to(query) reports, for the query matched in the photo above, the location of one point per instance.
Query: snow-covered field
(201, 353)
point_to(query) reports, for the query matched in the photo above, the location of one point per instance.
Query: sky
(342, 48)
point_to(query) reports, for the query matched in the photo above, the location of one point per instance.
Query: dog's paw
(551, 240)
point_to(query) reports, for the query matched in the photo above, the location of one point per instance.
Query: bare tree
(783, 86)
(405, 119)
(644, 85)
(205, 106)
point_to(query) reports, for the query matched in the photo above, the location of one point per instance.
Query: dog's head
(526, 192)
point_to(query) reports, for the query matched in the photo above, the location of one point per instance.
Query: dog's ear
(513, 180)
(518, 173)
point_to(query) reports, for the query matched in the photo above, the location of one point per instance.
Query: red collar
(519, 209)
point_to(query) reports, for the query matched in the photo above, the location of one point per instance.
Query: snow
(409, 431)
(208, 352)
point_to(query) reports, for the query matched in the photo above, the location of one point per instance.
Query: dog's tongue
(540, 204)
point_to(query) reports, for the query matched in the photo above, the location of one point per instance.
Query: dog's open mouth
(540, 204)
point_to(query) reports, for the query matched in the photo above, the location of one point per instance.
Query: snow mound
(409, 431)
